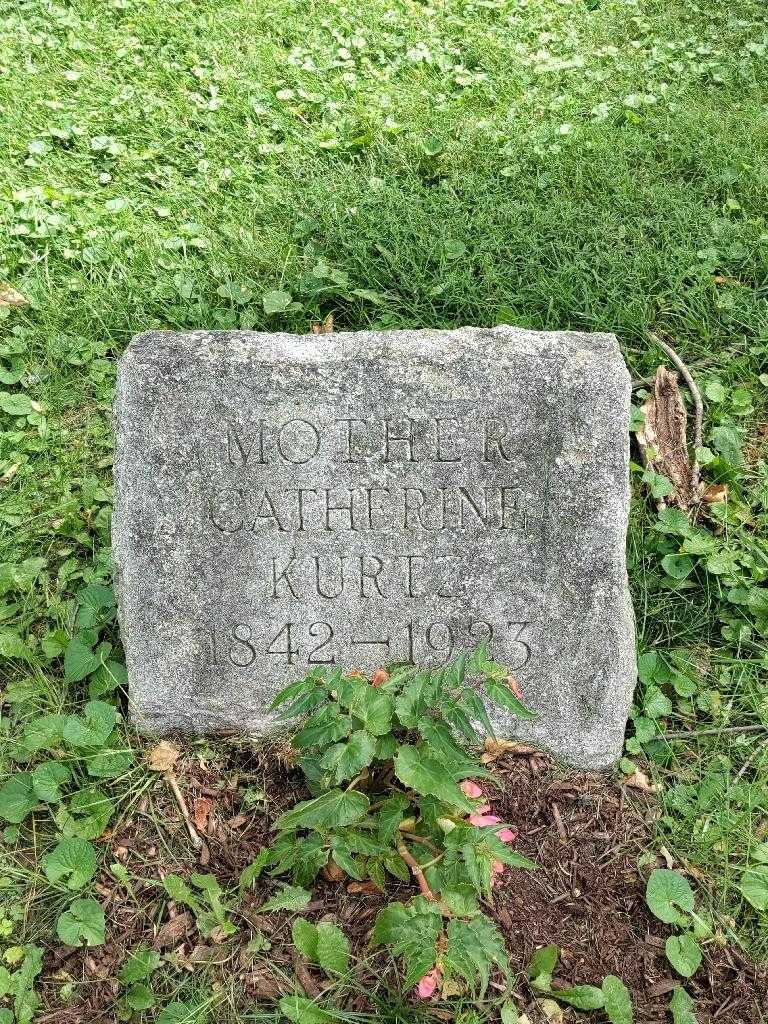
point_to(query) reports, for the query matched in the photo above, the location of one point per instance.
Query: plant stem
(420, 839)
(416, 870)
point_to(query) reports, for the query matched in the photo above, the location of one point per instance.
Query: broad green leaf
(290, 897)
(441, 744)
(726, 440)
(302, 705)
(684, 953)
(79, 660)
(12, 645)
(301, 1010)
(109, 763)
(140, 964)
(83, 921)
(411, 931)
(679, 567)
(47, 780)
(42, 732)
(276, 302)
(374, 708)
(304, 935)
(390, 814)
(509, 1014)
(106, 679)
(428, 776)
(345, 760)
(332, 948)
(87, 813)
(94, 728)
(300, 688)
(754, 886)
(460, 900)
(335, 808)
(410, 703)
(501, 694)
(476, 710)
(177, 1012)
(682, 1008)
(544, 961)
(665, 892)
(454, 716)
(324, 727)
(71, 860)
(618, 1002)
(396, 866)
(96, 595)
(18, 797)
(255, 868)
(180, 892)
(656, 704)
(473, 948)
(342, 856)
(140, 997)
(583, 997)
(674, 521)
(15, 404)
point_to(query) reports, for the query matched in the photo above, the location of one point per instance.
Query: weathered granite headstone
(359, 499)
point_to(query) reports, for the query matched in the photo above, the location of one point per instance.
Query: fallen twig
(686, 733)
(197, 842)
(559, 825)
(760, 746)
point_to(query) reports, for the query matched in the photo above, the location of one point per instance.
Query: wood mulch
(586, 896)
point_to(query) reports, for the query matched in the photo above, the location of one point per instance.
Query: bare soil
(587, 896)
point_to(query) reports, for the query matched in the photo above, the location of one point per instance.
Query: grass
(564, 164)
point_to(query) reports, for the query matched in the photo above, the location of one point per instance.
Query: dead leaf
(218, 934)
(494, 749)
(333, 873)
(173, 931)
(552, 1011)
(323, 326)
(209, 954)
(10, 297)
(10, 473)
(202, 810)
(715, 492)
(639, 780)
(238, 821)
(379, 677)
(265, 986)
(366, 888)
(663, 441)
(162, 757)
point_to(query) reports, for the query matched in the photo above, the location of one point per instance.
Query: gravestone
(355, 500)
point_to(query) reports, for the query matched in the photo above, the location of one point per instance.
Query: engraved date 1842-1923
(321, 643)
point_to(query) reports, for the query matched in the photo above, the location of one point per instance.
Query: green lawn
(560, 164)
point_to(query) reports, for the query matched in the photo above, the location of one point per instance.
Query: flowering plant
(399, 796)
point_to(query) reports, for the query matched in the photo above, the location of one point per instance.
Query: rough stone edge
(343, 346)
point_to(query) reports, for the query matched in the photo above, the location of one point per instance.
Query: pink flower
(507, 835)
(471, 789)
(514, 686)
(497, 868)
(483, 819)
(428, 984)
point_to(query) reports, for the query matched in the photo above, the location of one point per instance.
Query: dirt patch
(587, 897)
